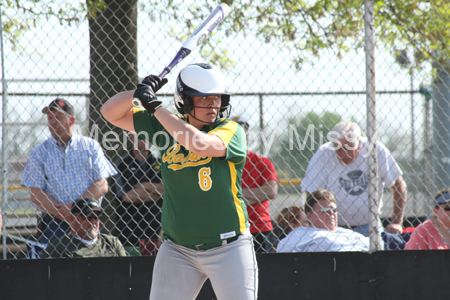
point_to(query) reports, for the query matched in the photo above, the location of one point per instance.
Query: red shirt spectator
(259, 185)
(258, 171)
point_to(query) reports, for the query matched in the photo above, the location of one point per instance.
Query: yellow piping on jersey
(237, 202)
(138, 109)
(225, 133)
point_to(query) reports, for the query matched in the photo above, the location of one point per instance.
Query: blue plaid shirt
(66, 173)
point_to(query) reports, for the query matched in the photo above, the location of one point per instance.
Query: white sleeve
(285, 245)
(389, 170)
(315, 176)
(294, 241)
(281, 246)
(321, 244)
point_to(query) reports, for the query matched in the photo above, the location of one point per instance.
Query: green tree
(302, 27)
(19, 16)
(305, 134)
(305, 27)
(113, 44)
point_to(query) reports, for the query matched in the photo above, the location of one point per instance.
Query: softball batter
(204, 219)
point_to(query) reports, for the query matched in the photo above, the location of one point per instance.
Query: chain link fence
(290, 112)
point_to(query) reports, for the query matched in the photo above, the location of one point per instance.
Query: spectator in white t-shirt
(341, 166)
(323, 235)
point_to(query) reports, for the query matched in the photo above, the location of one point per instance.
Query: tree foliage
(305, 27)
(305, 134)
(18, 16)
(302, 27)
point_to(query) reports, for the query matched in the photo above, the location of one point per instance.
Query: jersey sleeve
(118, 247)
(101, 167)
(268, 172)
(33, 175)
(233, 137)
(389, 169)
(147, 127)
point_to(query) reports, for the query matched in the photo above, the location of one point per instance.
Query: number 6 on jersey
(204, 179)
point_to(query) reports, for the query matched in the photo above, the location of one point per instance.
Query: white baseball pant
(179, 272)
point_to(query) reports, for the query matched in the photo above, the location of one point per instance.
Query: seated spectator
(138, 190)
(434, 233)
(323, 235)
(341, 167)
(290, 218)
(395, 241)
(85, 239)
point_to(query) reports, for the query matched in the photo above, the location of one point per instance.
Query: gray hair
(345, 129)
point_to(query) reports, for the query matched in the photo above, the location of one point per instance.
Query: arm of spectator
(156, 189)
(97, 189)
(260, 194)
(47, 203)
(144, 192)
(399, 194)
(120, 250)
(417, 241)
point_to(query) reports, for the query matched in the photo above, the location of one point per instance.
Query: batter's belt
(213, 244)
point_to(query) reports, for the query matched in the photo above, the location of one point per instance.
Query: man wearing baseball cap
(259, 186)
(85, 239)
(61, 105)
(62, 169)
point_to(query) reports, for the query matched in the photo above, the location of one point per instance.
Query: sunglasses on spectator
(446, 208)
(327, 209)
(89, 217)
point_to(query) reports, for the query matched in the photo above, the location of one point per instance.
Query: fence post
(371, 124)
(262, 146)
(4, 135)
(441, 125)
(428, 152)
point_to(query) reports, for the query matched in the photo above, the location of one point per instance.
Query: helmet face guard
(199, 80)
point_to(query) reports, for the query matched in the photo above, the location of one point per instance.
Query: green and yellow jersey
(202, 195)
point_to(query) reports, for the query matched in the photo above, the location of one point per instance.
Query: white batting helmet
(199, 80)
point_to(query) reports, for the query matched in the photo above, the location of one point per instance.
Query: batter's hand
(146, 92)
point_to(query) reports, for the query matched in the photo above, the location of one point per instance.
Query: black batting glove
(146, 92)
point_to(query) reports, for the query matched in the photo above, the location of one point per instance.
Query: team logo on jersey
(178, 161)
(354, 183)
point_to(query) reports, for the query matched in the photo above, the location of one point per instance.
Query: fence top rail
(244, 94)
